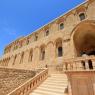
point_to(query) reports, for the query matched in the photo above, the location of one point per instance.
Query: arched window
(31, 55)
(59, 49)
(61, 26)
(14, 59)
(47, 32)
(22, 57)
(82, 16)
(27, 41)
(36, 37)
(42, 53)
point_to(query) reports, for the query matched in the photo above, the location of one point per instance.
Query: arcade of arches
(83, 37)
(57, 44)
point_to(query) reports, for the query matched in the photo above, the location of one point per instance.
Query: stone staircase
(56, 84)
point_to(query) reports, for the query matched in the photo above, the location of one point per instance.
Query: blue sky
(22, 17)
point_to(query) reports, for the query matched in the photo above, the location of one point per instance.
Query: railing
(79, 63)
(30, 85)
(74, 64)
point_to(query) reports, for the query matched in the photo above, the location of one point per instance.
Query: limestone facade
(55, 41)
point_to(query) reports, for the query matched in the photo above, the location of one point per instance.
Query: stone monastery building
(65, 45)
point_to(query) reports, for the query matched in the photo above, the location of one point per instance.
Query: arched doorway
(84, 40)
(42, 52)
(59, 48)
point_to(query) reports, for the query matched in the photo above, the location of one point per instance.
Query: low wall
(81, 82)
(31, 84)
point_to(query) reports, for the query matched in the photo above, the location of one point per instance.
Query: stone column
(69, 88)
(50, 52)
(36, 57)
(86, 64)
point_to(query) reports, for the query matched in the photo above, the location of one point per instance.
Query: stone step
(60, 78)
(35, 94)
(42, 92)
(53, 88)
(53, 85)
(51, 91)
(46, 94)
(57, 82)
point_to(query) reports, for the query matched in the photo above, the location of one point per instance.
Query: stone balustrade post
(93, 63)
(86, 64)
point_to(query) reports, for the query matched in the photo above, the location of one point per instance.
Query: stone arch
(81, 12)
(81, 9)
(60, 20)
(83, 37)
(36, 47)
(49, 43)
(43, 45)
(58, 39)
(82, 22)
